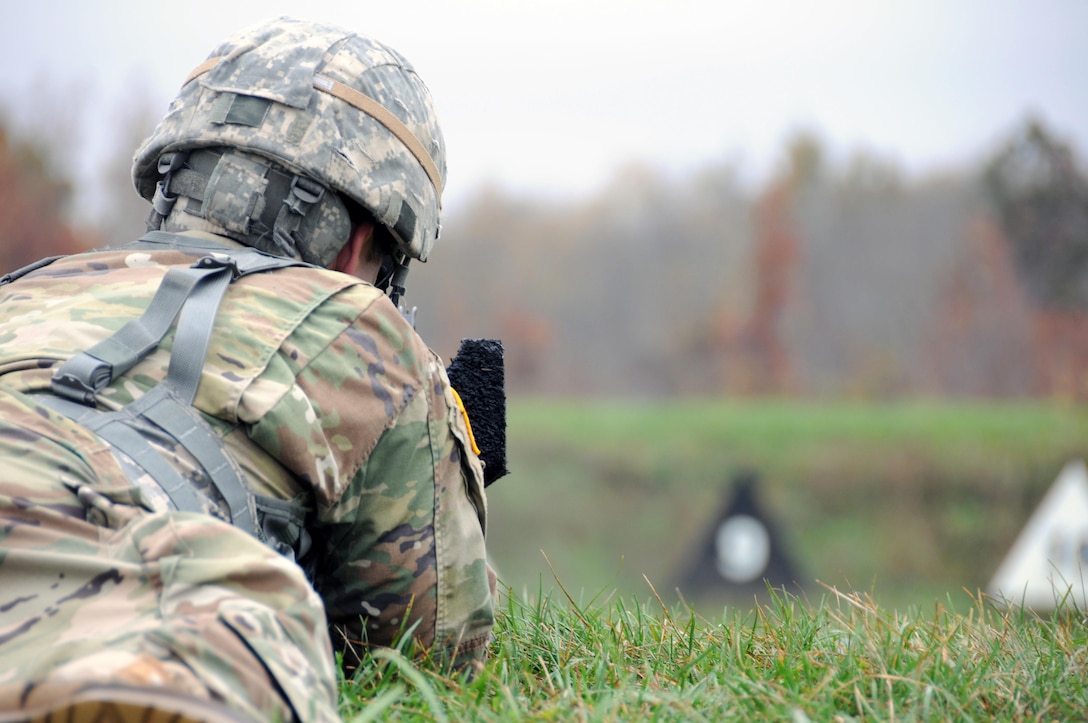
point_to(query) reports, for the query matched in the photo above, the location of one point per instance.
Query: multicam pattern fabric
(325, 396)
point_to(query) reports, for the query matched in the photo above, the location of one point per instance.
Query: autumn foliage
(832, 280)
(33, 201)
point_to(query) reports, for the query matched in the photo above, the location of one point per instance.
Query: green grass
(909, 501)
(914, 504)
(840, 659)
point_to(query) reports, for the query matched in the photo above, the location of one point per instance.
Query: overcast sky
(555, 95)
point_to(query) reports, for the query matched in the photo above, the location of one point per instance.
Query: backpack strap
(193, 294)
(86, 373)
(123, 433)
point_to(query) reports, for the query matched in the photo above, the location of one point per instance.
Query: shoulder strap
(195, 293)
(83, 375)
(122, 432)
(199, 288)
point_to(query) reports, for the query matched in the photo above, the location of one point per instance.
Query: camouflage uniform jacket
(325, 395)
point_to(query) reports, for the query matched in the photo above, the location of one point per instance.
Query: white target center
(744, 548)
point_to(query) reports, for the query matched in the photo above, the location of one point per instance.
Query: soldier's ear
(348, 257)
(354, 256)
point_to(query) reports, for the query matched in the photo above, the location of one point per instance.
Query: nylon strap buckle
(219, 261)
(74, 389)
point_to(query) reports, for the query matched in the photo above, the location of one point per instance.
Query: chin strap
(391, 279)
(396, 287)
(398, 278)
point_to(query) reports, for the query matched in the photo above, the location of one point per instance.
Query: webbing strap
(380, 113)
(115, 428)
(303, 194)
(202, 69)
(283, 527)
(199, 288)
(184, 424)
(195, 293)
(86, 373)
(168, 405)
(193, 334)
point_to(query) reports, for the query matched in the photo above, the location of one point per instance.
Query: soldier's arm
(403, 550)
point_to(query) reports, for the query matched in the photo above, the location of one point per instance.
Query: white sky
(555, 95)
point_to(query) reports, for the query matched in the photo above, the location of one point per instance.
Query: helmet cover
(323, 102)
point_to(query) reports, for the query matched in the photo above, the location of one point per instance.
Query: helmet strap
(391, 277)
(304, 194)
(399, 277)
(252, 200)
(385, 274)
(163, 203)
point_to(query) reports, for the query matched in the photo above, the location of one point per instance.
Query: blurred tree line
(833, 280)
(33, 203)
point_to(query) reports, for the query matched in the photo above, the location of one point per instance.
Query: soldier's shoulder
(384, 331)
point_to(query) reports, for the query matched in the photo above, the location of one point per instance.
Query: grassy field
(908, 501)
(895, 514)
(843, 659)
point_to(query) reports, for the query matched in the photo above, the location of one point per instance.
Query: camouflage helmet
(319, 101)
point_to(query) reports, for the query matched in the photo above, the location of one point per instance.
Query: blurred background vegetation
(903, 360)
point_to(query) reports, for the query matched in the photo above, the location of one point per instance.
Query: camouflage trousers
(178, 602)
